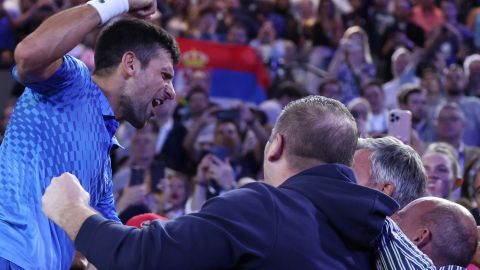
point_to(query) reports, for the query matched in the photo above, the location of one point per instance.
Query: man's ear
(276, 148)
(388, 189)
(129, 64)
(422, 238)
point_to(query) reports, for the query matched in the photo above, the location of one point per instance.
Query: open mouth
(157, 102)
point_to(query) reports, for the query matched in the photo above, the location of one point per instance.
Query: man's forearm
(73, 219)
(39, 55)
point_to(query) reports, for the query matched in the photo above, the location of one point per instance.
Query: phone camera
(394, 117)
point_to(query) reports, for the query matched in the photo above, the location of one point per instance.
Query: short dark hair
(196, 89)
(289, 89)
(317, 130)
(129, 34)
(406, 92)
(370, 83)
(327, 81)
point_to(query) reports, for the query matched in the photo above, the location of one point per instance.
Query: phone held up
(400, 125)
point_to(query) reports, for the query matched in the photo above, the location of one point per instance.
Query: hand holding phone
(137, 176)
(400, 125)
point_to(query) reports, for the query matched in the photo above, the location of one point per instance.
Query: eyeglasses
(450, 119)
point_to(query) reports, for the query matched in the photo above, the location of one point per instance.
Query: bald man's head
(445, 231)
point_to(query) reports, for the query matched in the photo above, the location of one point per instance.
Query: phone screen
(220, 152)
(137, 176)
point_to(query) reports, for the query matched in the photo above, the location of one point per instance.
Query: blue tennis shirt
(62, 124)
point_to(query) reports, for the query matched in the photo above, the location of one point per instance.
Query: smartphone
(157, 171)
(400, 125)
(228, 115)
(137, 176)
(220, 152)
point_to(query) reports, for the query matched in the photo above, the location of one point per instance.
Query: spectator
(238, 34)
(136, 183)
(286, 25)
(403, 69)
(331, 88)
(271, 48)
(391, 167)
(469, 177)
(361, 111)
(450, 13)
(214, 176)
(379, 19)
(226, 162)
(283, 93)
(427, 15)
(414, 99)
(471, 66)
(444, 177)
(445, 43)
(177, 192)
(404, 32)
(455, 83)
(325, 34)
(7, 38)
(443, 230)
(205, 26)
(476, 187)
(473, 23)
(377, 122)
(431, 82)
(327, 29)
(352, 63)
(450, 126)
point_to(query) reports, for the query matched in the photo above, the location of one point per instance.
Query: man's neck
(454, 98)
(433, 97)
(455, 142)
(377, 111)
(162, 120)
(111, 88)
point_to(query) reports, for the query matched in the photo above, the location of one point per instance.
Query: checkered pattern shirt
(62, 124)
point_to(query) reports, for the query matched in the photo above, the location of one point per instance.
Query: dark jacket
(318, 219)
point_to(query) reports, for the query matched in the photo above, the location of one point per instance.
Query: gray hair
(395, 162)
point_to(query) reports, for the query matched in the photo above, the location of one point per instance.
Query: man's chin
(138, 124)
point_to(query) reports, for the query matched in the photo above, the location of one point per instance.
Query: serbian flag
(236, 71)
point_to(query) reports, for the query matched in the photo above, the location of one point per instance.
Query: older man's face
(362, 167)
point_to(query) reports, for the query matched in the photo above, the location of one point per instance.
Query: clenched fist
(142, 8)
(62, 195)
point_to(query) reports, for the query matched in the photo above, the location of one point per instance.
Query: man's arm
(58, 205)
(39, 55)
(215, 238)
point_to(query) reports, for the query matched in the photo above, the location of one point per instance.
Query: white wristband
(108, 9)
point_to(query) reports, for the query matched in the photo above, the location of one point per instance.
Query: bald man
(445, 231)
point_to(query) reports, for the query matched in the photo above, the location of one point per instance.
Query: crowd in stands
(372, 55)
